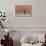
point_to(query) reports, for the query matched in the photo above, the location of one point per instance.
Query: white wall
(39, 13)
(9, 8)
(38, 18)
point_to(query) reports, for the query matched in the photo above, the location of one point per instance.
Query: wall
(9, 8)
(39, 13)
(38, 18)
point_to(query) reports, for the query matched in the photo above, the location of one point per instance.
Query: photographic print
(24, 10)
